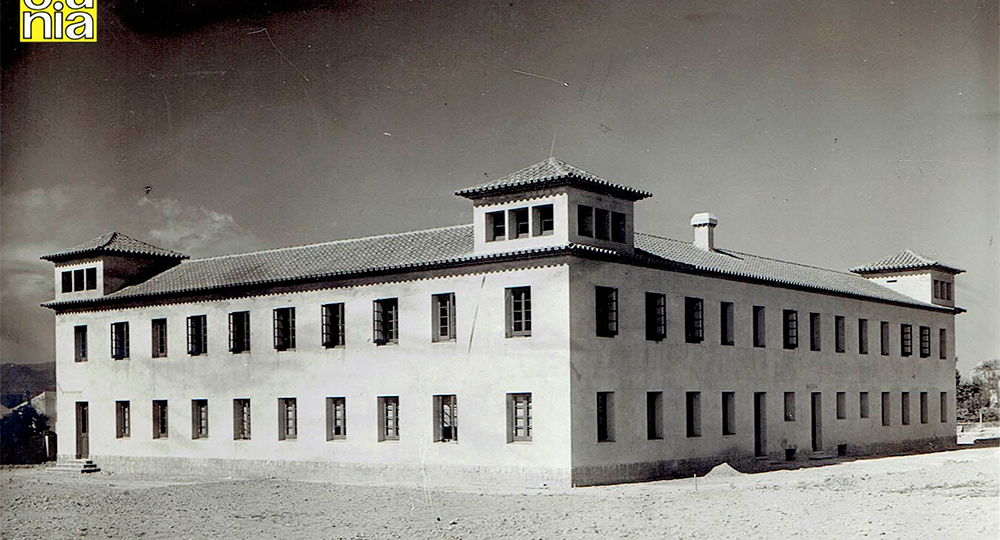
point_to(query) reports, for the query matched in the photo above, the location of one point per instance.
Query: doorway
(82, 430)
(817, 421)
(760, 424)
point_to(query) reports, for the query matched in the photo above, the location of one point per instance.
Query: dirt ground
(945, 495)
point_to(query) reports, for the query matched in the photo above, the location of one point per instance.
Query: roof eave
(623, 192)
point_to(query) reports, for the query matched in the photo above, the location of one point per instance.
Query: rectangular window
(332, 323)
(288, 419)
(67, 281)
(923, 407)
(656, 316)
(336, 418)
(693, 413)
(496, 226)
(80, 343)
(815, 340)
(445, 418)
(159, 338)
(284, 329)
(759, 326)
(937, 288)
(585, 220)
(605, 417)
(905, 408)
(885, 338)
(197, 335)
(518, 218)
(618, 230)
(388, 418)
(518, 301)
(944, 407)
(728, 413)
(519, 417)
(119, 340)
(91, 279)
(654, 415)
(239, 332)
(947, 290)
(386, 321)
(841, 405)
(694, 320)
(925, 341)
(943, 344)
(199, 418)
(123, 420)
(78, 282)
(607, 311)
(886, 411)
(544, 220)
(602, 224)
(906, 339)
(241, 419)
(789, 406)
(160, 419)
(862, 336)
(839, 334)
(443, 317)
(727, 318)
(863, 404)
(790, 335)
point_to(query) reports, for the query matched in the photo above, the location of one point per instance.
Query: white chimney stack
(704, 230)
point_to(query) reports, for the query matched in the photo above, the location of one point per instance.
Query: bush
(22, 435)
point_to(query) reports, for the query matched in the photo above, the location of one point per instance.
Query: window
(445, 418)
(585, 220)
(885, 338)
(944, 407)
(790, 335)
(727, 332)
(67, 281)
(91, 279)
(937, 288)
(159, 338)
(728, 413)
(905, 408)
(241, 419)
(693, 413)
(605, 417)
(943, 344)
(332, 323)
(78, 282)
(789, 406)
(925, 341)
(947, 288)
(694, 320)
(618, 230)
(518, 300)
(518, 223)
(839, 334)
(160, 419)
(863, 404)
(602, 224)
(197, 334)
(544, 220)
(386, 325)
(443, 317)
(841, 405)
(862, 336)
(199, 418)
(336, 418)
(607, 311)
(656, 316)
(119, 340)
(906, 339)
(496, 228)
(388, 418)
(288, 419)
(815, 340)
(239, 332)
(759, 327)
(886, 412)
(923, 407)
(284, 329)
(519, 418)
(123, 420)
(80, 343)
(654, 415)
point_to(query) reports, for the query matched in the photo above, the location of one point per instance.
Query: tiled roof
(115, 242)
(905, 260)
(551, 172)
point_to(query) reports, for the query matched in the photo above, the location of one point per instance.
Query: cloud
(194, 229)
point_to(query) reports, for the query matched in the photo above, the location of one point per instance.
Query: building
(580, 351)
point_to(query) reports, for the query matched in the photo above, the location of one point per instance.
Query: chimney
(704, 230)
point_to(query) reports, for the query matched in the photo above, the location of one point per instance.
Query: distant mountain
(23, 381)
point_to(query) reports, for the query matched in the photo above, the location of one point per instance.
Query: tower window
(496, 228)
(544, 220)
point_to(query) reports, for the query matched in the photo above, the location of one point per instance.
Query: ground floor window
(336, 418)
(693, 414)
(160, 419)
(241, 419)
(445, 418)
(519, 417)
(288, 428)
(388, 418)
(199, 418)
(123, 420)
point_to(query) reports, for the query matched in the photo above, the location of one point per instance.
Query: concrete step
(75, 465)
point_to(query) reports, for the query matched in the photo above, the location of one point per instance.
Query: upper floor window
(602, 224)
(518, 223)
(759, 327)
(585, 220)
(159, 338)
(333, 325)
(78, 282)
(67, 281)
(518, 301)
(906, 339)
(943, 344)
(80, 279)
(727, 318)
(656, 316)
(947, 290)
(862, 336)
(618, 230)
(197, 334)
(544, 219)
(239, 332)
(80, 343)
(814, 332)
(937, 288)
(607, 311)
(119, 340)
(443, 317)
(839, 331)
(925, 341)
(496, 228)
(884, 328)
(694, 320)
(791, 332)
(284, 328)
(386, 321)
(91, 278)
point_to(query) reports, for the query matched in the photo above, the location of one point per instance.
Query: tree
(21, 434)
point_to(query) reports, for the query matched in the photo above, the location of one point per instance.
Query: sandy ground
(945, 495)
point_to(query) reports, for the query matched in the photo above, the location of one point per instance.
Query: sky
(831, 133)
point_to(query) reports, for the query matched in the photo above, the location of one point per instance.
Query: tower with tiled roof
(915, 275)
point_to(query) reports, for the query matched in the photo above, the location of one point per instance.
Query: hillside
(18, 380)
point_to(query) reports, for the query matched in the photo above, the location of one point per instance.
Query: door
(759, 424)
(817, 421)
(82, 430)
